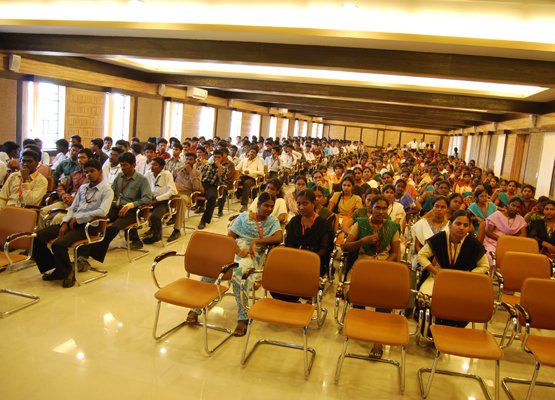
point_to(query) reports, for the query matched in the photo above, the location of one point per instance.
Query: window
(303, 128)
(296, 128)
(45, 112)
(173, 119)
(206, 123)
(255, 125)
(235, 126)
(285, 127)
(273, 127)
(117, 114)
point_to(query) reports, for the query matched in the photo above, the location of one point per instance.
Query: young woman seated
(280, 208)
(301, 183)
(543, 230)
(308, 231)
(451, 249)
(345, 203)
(481, 208)
(252, 232)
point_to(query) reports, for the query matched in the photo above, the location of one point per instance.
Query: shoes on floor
(51, 277)
(243, 208)
(69, 281)
(202, 225)
(220, 213)
(174, 236)
(136, 245)
(171, 221)
(83, 265)
(192, 318)
(148, 233)
(199, 210)
(151, 239)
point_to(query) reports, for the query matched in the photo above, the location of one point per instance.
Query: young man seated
(162, 187)
(25, 187)
(91, 200)
(131, 190)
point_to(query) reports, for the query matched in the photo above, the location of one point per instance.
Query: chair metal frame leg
(308, 363)
(400, 365)
(34, 299)
(204, 324)
(102, 272)
(531, 382)
(425, 392)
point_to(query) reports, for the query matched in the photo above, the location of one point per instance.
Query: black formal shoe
(199, 210)
(83, 265)
(220, 213)
(202, 225)
(69, 281)
(51, 277)
(174, 236)
(148, 233)
(151, 239)
(136, 245)
(171, 221)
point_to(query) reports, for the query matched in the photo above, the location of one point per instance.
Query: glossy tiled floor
(95, 342)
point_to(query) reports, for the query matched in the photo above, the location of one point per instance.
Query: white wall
(545, 174)
(498, 163)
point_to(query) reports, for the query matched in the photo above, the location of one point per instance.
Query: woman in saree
(251, 231)
(481, 208)
(345, 203)
(280, 208)
(503, 198)
(432, 223)
(543, 230)
(504, 222)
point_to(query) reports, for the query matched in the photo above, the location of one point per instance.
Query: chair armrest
(339, 296)
(14, 236)
(510, 309)
(143, 212)
(524, 312)
(244, 288)
(101, 223)
(57, 211)
(159, 258)
(224, 271)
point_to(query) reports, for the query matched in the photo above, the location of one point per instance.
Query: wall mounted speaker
(14, 62)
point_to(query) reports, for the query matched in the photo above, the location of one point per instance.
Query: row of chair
(457, 295)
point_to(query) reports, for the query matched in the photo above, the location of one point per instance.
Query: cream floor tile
(95, 342)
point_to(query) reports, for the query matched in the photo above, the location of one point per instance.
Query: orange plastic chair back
(462, 296)
(208, 252)
(17, 220)
(518, 266)
(538, 297)
(384, 284)
(292, 271)
(514, 243)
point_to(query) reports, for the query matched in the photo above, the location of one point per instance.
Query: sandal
(241, 328)
(192, 318)
(376, 352)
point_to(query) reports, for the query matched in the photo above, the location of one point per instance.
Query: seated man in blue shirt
(91, 200)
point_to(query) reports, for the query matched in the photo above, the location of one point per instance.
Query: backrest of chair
(292, 271)
(514, 243)
(17, 220)
(384, 284)
(518, 266)
(538, 297)
(462, 296)
(208, 252)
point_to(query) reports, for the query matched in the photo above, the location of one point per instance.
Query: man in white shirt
(250, 169)
(62, 147)
(413, 144)
(111, 167)
(144, 165)
(107, 148)
(422, 145)
(273, 161)
(288, 161)
(163, 188)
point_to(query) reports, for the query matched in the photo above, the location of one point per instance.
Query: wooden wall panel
(325, 131)
(491, 152)
(369, 136)
(8, 109)
(149, 117)
(391, 137)
(337, 132)
(436, 139)
(533, 159)
(223, 122)
(84, 114)
(408, 136)
(265, 126)
(353, 133)
(247, 127)
(191, 122)
(508, 157)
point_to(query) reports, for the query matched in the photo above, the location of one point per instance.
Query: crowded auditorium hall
(192, 190)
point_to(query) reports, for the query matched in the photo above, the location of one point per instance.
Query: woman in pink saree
(504, 222)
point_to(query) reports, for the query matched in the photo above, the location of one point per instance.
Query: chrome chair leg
(532, 383)
(340, 360)
(34, 299)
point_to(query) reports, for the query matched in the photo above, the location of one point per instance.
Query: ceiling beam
(386, 123)
(378, 95)
(452, 66)
(337, 105)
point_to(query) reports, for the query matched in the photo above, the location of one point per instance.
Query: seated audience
(25, 187)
